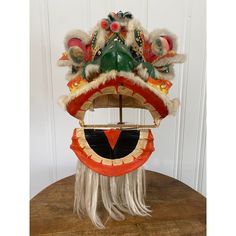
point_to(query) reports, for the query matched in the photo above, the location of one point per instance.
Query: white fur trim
(161, 32)
(84, 37)
(62, 101)
(132, 25)
(178, 58)
(89, 69)
(175, 105)
(142, 72)
(64, 63)
(171, 104)
(95, 28)
(101, 36)
(130, 35)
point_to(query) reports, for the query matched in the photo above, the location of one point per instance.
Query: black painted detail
(98, 141)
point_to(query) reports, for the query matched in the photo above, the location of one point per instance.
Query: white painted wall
(180, 140)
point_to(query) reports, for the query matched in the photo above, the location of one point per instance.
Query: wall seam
(198, 157)
(46, 52)
(183, 93)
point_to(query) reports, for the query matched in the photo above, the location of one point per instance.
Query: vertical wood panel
(193, 99)
(42, 161)
(172, 16)
(180, 140)
(64, 16)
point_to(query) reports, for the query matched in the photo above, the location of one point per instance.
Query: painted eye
(162, 45)
(76, 54)
(76, 84)
(157, 47)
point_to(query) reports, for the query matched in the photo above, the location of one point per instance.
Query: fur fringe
(84, 37)
(102, 78)
(178, 58)
(161, 32)
(62, 101)
(90, 69)
(142, 72)
(122, 194)
(64, 63)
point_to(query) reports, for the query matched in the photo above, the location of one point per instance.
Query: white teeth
(106, 161)
(143, 134)
(82, 142)
(149, 107)
(96, 158)
(80, 115)
(139, 98)
(95, 95)
(128, 159)
(137, 152)
(125, 91)
(142, 142)
(117, 162)
(88, 151)
(86, 106)
(109, 90)
(79, 133)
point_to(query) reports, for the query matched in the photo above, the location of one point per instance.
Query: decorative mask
(118, 65)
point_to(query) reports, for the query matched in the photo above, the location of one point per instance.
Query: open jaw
(105, 90)
(115, 152)
(98, 150)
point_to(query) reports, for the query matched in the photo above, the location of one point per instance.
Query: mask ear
(164, 46)
(76, 46)
(162, 41)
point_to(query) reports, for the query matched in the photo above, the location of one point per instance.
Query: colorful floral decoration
(118, 59)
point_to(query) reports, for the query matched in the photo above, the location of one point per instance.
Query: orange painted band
(112, 170)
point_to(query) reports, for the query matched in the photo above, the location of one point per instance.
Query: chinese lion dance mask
(117, 65)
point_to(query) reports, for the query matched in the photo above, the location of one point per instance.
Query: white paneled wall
(179, 141)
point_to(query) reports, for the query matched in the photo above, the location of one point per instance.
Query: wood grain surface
(176, 210)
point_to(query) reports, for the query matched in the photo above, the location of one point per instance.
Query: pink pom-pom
(104, 24)
(115, 26)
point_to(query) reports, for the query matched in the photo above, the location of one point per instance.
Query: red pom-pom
(169, 40)
(115, 26)
(104, 24)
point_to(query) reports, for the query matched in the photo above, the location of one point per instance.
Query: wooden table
(177, 210)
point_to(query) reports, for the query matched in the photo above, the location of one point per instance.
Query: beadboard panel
(179, 141)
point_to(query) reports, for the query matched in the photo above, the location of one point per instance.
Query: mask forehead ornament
(118, 65)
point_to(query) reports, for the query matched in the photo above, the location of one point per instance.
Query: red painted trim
(112, 170)
(74, 106)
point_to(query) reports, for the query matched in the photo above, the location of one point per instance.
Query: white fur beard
(121, 194)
